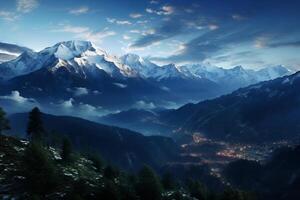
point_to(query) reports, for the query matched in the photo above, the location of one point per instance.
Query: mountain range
(263, 112)
(79, 73)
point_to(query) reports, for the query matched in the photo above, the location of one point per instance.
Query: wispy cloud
(286, 44)
(238, 17)
(167, 30)
(74, 29)
(126, 37)
(26, 6)
(22, 7)
(261, 42)
(119, 22)
(86, 33)
(213, 27)
(144, 105)
(154, 2)
(16, 96)
(135, 31)
(96, 37)
(79, 11)
(135, 15)
(8, 16)
(165, 10)
(78, 91)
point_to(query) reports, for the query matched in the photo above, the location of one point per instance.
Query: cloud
(168, 10)
(26, 6)
(215, 29)
(8, 16)
(126, 37)
(211, 43)
(120, 85)
(86, 33)
(74, 29)
(67, 103)
(135, 31)
(285, 44)
(16, 96)
(154, 2)
(119, 22)
(261, 42)
(144, 105)
(73, 108)
(96, 37)
(80, 91)
(167, 30)
(15, 102)
(165, 10)
(79, 11)
(135, 15)
(238, 17)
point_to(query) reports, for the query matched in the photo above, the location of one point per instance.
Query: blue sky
(221, 32)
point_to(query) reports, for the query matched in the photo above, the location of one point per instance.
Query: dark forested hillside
(123, 147)
(263, 112)
(279, 178)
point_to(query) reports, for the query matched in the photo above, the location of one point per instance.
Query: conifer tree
(197, 190)
(4, 123)
(39, 170)
(35, 129)
(168, 181)
(148, 186)
(66, 152)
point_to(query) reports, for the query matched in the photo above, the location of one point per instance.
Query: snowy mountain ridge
(83, 57)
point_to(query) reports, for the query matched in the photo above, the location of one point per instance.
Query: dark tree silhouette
(4, 123)
(197, 190)
(110, 172)
(66, 150)
(35, 129)
(168, 182)
(39, 170)
(97, 161)
(148, 186)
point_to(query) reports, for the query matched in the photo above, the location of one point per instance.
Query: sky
(226, 33)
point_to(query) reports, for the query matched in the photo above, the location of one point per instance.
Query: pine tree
(109, 191)
(197, 190)
(148, 186)
(66, 153)
(97, 161)
(110, 172)
(4, 123)
(39, 170)
(35, 129)
(168, 181)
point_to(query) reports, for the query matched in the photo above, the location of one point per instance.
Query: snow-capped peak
(69, 49)
(272, 72)
(147, 69)
(131, 58)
